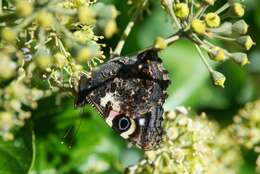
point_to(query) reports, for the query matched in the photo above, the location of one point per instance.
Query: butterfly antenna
(77, 129)
(66, 134)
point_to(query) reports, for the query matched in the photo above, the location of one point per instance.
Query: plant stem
(203, 58)
(174, 18)
(224, 38)
(191, 7)
(200, 11)
(1, 6)
(169, 40)
(64, 30)
(223, 8)
(25, 22)
(128, 29)
(123, 38)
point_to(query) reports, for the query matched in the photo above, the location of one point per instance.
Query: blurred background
(95, 148)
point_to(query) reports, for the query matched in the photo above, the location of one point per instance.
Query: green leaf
(17, 156)
(186, 72)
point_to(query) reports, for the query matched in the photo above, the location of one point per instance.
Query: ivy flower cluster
(46, 41)
(246, 129)
(204, 27)
(194, 144)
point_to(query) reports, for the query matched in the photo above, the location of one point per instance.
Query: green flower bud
(212, 20)
(160, 43)
(240, 58)
(23, 8)
(238, 9)
(198, 26)
(245, 41)
(181, 10)
(240, 27)
(225, 29)
(218, 78)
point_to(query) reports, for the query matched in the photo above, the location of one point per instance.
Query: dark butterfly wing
(129, 93)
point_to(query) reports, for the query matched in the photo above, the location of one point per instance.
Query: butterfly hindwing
(129, 93)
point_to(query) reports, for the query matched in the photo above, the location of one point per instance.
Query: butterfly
(129, 92)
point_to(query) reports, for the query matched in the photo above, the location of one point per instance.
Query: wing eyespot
(123, 124)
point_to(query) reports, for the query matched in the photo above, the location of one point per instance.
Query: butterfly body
(129, 93)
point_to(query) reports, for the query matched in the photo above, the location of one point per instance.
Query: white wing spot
(141, 122)
(109, 97)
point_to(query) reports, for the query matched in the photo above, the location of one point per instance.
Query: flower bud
(151, 155)
(212, 20)
(45, 19)
(209, 2)
(218, 54)
(225, 29)
(218, 78)
(172, 133)
(240, 58)
(7, 67)
(181, 10)
(84, 54)
(160, 43)
(245, 41)
(6, 120)
(8, 136)
(198, 26)
(60, 60)
(86, 16)
(171, 115)
(240, 27)
(23, 8)
(114, 12)
(9, 35)
(78, 3)
(238, 9)
(43, 61)
(76, 69)
(110, 28)
(166, 2)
